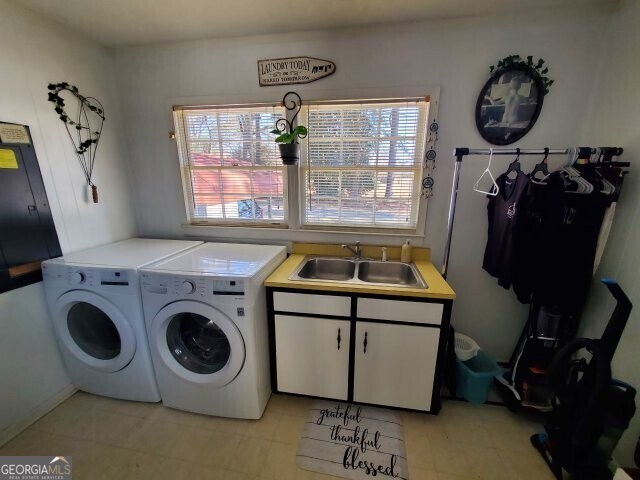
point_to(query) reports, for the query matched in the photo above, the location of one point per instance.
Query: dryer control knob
(77, 277)
(188, 287)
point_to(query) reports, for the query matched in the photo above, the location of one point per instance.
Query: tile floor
(112, 439)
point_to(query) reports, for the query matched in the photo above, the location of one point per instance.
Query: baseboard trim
(37, 413)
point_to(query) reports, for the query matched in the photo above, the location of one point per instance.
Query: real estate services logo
(35, 468)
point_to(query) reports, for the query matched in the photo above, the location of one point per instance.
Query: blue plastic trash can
(475, 377)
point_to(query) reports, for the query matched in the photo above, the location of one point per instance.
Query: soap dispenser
(405, 253)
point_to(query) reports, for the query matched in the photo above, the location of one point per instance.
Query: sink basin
(328, 269)
(359, 272)
(394, 273)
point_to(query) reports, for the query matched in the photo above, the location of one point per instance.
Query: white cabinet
(312, 356)
(397, 366)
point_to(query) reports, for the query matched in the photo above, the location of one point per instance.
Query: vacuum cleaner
(590, 410)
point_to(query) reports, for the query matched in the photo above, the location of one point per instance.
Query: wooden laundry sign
(291, 70)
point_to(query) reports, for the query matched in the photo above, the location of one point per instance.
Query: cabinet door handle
(365, 342)
(339, 338)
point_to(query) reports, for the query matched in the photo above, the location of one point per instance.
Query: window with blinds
(231, 167)
(362, 164)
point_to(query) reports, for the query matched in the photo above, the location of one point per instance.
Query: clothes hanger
(514, 166)
(494, 189)
(605, 186)
(574, 181)
(583, 186)
(584, 168)
(541, 167)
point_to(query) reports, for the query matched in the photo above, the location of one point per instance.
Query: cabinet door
(312, 356)
(395, 364)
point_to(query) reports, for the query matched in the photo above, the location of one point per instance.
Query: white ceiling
(134, 22)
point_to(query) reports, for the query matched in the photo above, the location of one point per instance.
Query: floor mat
(353, 441)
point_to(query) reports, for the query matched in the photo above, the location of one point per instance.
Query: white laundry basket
(466, 347)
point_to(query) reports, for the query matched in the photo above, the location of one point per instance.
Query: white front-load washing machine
(206, 317)
(96, 309)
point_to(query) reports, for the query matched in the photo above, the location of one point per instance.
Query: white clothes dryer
(96, 309)
(206, 317)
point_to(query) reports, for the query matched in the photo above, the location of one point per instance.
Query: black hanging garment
(504, 213)
(537, 254)
(570, 280)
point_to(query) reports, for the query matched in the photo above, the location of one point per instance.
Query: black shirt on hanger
(538, 252)
(504, 213)
(579, 232)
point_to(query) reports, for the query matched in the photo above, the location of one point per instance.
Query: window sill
(282, 234)
(275, 226)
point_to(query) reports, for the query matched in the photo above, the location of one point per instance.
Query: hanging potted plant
(288, 135)
(288, 144)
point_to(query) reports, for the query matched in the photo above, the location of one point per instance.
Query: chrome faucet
(357, 251)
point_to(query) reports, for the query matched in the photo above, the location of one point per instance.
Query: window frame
(296, 232)
(187, 179)
(423, 122)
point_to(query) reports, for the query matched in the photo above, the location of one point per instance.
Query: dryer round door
(93, 330)
(198, 343)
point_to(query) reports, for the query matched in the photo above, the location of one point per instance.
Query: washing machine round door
(198, 343)
(94, 331)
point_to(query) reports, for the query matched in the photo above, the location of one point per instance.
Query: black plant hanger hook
(291, 101)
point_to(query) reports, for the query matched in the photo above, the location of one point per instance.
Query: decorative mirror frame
(536, 71)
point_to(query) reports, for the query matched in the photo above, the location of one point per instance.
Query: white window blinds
(231, 167)
(363, 163)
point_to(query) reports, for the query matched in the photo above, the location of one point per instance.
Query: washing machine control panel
(87, 277)
(78, 277)
(113, 277)
(188, 286)
(182, 285)
(228, 286)
(69, 276)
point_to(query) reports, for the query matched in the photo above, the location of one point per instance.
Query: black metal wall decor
(288, 135)
(84, 128)
(510, 102)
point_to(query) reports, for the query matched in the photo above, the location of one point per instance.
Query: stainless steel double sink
(358, 271)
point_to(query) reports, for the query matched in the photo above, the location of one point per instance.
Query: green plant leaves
(285, 138)
(290, 137)
(300, 131)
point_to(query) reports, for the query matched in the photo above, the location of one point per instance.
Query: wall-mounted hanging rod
(460, 152)
(463, 151)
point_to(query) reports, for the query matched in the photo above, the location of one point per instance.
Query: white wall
(615, 120)
(452, 54)
(33, 53)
